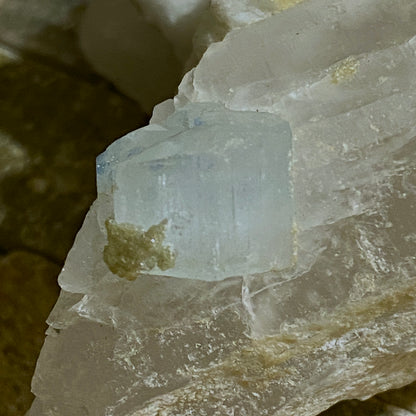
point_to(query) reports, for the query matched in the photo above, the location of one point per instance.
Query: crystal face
(221, 181)
(335, 319)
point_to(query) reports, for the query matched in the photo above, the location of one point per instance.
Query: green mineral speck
(131, 250)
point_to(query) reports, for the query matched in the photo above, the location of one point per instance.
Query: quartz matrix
(232, 265)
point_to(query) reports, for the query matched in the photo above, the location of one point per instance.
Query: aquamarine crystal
(221, 182)
(312, 316)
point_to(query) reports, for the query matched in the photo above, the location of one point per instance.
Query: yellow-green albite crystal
(131, 250)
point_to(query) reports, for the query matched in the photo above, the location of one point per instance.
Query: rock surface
(400, 402)
(335, 323)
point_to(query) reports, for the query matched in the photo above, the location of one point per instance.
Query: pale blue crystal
(220, 178)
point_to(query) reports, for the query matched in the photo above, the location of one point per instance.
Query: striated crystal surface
(336, 321)
(220, 181)
(119, 38)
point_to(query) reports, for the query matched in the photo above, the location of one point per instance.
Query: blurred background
(56, 115)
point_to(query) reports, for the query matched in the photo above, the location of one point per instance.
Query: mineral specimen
(320, 307)
(219, 179)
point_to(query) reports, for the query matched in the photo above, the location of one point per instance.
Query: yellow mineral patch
(345, 70)
(286, 4)
(263, 361)
(270, 352)
(131, 250)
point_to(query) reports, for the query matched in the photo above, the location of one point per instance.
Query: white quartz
(333, 322)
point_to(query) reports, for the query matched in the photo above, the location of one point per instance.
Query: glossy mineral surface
(221, 182)
(337, 322)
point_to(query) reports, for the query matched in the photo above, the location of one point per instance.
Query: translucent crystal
(249, 62)
(336, 321)
(221, 182)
